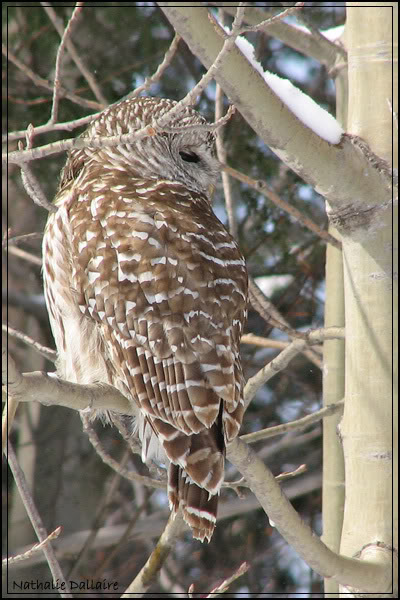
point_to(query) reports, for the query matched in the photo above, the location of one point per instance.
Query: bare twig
(222, 157)
(19, 239)
(39, 81)
(263, 188)
(101, 511)
(33, 188)
(60, 52)
(23, 156)
(296, 425)
(235, 485)
(42, 350)
(277, 364)
(37, 523)
(67, 126)
(65, 34)
(289, 474)
(25, 255)
(256, 340)
(271, 315)
(10, 560)
(147, 575)
(111, 462)
(264, 24)
(191, 97)
(149, 81)
(123, 539)
(223, 587)
(79, 142)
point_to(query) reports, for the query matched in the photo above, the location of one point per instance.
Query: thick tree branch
(368, 576)
(364, 193)
(48, 389)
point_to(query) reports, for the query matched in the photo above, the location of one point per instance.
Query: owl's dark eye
(189, 157)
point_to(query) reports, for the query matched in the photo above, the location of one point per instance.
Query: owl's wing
(168, 286)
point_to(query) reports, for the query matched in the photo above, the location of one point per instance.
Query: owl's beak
(211, 190)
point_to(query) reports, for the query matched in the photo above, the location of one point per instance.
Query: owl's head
(184, 156)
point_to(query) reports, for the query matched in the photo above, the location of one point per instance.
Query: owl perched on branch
(147, 291)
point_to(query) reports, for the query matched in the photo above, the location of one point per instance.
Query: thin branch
(39, 81)
(123, 539)
(271, 315)
(23, 156)
(48, 353)
(290, 474)
(19, 239)
(25, 255)
(222, 156)
(256, 340)
(111, 462)
(99, 517)
(263, 188)
(60, 54)
(10, 560)
(36, 521)
(149, 81)
(272, 368)
(29, 180)
(67, 126)
(271, 20)
(9, 412)
(322, 50)
(64, 35)
(223, 587)
(191, 97)
(296, 425)
(79, 142)
(147, 575)
(235, 485)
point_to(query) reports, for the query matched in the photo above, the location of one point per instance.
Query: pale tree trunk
(366, 427)
(333, 386)
(333, 482)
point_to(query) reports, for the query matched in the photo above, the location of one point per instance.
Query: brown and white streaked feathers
(146, 290)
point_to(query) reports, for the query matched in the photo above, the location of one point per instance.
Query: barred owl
(147, 291)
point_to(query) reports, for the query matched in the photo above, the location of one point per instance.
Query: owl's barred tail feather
(198, 506)
(195, 475)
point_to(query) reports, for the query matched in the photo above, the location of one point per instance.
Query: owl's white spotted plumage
(147, 291)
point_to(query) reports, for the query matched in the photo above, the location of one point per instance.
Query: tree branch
(36, 521)
(147, 575)
(368, 576)
(263, 188)
(296, 425)
(65, 41)
(40, 82)
(10, 560)
(322, 164)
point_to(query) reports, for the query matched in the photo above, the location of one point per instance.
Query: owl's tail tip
(199, 507)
